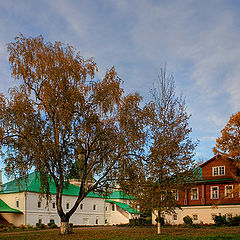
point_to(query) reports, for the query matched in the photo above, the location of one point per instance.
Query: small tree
(168, 166)
(228, 144)
(60, 118)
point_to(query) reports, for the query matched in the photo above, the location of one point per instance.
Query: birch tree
(169, 162)
(61, 115)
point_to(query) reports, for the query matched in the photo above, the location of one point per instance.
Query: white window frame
(211, 192)
(218, 170)
(213, 216)
(175, 217)
(175, 194)
(163, 195)
(194, 197)
(195, 217)
(226, 191)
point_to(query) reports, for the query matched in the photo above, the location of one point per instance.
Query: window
(218, 171)
(195, 217)
(94, 207)
(113, 207)
(214, 192)
(81, 206)
(229, 191)
(67, 206)
(175, 217)
(213, 216)
(40, 221)
(52, 221)
(96, 221)
(39, 204)
(175, 194)
(53, 205)
(163, 195)
(17, 203)
(106, 209)
(106, 221)
(194, 194)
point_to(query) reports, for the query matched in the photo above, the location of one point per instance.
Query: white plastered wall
(85, 216)
(204, 213)
(10, 199)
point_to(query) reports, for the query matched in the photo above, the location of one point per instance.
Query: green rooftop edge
(4, 208)
(124, 206)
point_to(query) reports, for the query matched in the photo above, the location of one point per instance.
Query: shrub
(188, 220)
(41, 225)
(11, 228)
(52, 225)
(22, 227)
(139, 221)
(220, 220)
(234, 221)
(29, 227)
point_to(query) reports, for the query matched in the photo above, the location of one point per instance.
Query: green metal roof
(119, 195)
(4, 208)
(124, 206)
(31, 183)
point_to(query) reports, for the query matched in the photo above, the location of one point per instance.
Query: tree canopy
(228, 144)
(169, 164)
(61, 114)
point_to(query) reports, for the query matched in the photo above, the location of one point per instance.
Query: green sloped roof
(32, 184)
(198, 172)
(4, 208)
(124, 206)
(119, 195)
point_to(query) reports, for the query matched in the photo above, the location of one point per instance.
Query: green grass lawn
(113, 233)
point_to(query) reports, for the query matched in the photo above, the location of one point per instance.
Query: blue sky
(198, 40)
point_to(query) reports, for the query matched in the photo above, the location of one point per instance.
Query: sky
(198, 41)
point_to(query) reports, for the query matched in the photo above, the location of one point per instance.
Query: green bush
(234, 221)
(29, 227)
(188, 220)
(52, 225)
(139, 221)
(12, 228)
(22, 227)
(41, 225)
(220, 220)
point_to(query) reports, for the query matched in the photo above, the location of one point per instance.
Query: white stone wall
(204, 214)
(85, 216)
(11, 199)
(32, 213)
(118, 215)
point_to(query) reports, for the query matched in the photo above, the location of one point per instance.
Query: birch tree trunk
(65, 228)
(159, 223)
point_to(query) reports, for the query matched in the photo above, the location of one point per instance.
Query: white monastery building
(22, 203)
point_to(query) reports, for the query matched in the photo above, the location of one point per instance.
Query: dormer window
(218, 171)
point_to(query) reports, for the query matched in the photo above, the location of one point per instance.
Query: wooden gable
(218, 167)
